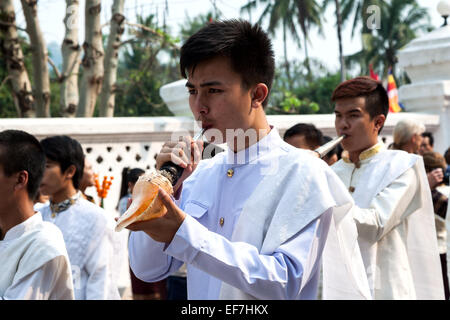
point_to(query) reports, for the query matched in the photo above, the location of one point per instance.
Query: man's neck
(15, 215)
(249, 138)
(63, 194)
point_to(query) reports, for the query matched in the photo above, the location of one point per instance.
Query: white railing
(111, 144)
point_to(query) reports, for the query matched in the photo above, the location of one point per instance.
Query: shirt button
(351, 189)
(230, 173)
(221, 221)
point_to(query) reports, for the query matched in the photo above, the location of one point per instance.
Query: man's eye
(192, 91)
(212, 90)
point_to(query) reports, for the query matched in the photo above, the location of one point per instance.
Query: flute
(327, 147)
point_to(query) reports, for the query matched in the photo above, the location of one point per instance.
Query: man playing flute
(393, 208)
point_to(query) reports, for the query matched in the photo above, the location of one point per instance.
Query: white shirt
(34, 262)
(394, 215)
(203, 239)
(88, 236)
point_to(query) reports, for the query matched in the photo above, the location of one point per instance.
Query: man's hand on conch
(162, 229)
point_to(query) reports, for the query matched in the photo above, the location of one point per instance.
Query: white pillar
(176, 96)
(426, 60)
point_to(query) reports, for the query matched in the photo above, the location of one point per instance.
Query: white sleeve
(147, 258)
(389, 208)
(52, 281)
(100, 283)
(287, 273)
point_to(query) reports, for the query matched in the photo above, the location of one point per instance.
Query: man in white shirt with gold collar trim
(393, 208)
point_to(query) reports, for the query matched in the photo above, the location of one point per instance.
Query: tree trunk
(307, 64)
(12, 52)
(92, 62)
(41, 79)
(286, 60)
(339, 34)
(71, 63)
(108, 94)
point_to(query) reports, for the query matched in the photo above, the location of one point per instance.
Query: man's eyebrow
(356, 110)
(205, 84)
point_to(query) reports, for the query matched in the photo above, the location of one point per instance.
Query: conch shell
(145, 205)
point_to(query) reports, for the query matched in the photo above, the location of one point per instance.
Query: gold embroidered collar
(366, 154)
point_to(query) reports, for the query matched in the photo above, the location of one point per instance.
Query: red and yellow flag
(392, 93)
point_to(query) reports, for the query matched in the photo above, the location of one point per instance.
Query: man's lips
(206, 126)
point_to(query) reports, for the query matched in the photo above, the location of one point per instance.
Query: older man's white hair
(404, 130)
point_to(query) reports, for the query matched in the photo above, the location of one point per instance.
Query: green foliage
(146, 65)
(150, 58)
(400, 21)
(308, 95)
(320, 91)
(291, 104)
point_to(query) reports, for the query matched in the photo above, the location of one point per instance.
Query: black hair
(19, 151)
(313, 136)
(430, 137)
(248, 48)
(129, 175)
(66, 152)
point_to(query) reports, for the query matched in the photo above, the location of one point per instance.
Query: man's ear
(70, 171)
(259, 94)
(21, 180)
(379, 122)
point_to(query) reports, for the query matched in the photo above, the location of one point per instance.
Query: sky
(324, 48)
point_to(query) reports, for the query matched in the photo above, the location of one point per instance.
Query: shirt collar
(65, 204)
(18, 230)
(368, 153)
(256, 150)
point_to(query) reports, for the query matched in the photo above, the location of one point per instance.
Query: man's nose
(342, 124)
(200, 104)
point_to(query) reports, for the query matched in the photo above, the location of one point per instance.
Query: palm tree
(293, 16)
(400, 21)
(337, 6)
(358, 9)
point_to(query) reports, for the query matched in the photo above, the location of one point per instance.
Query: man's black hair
(248, 48)
(19, 151)
(430, 137)
(66, 152)
(313, 136)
